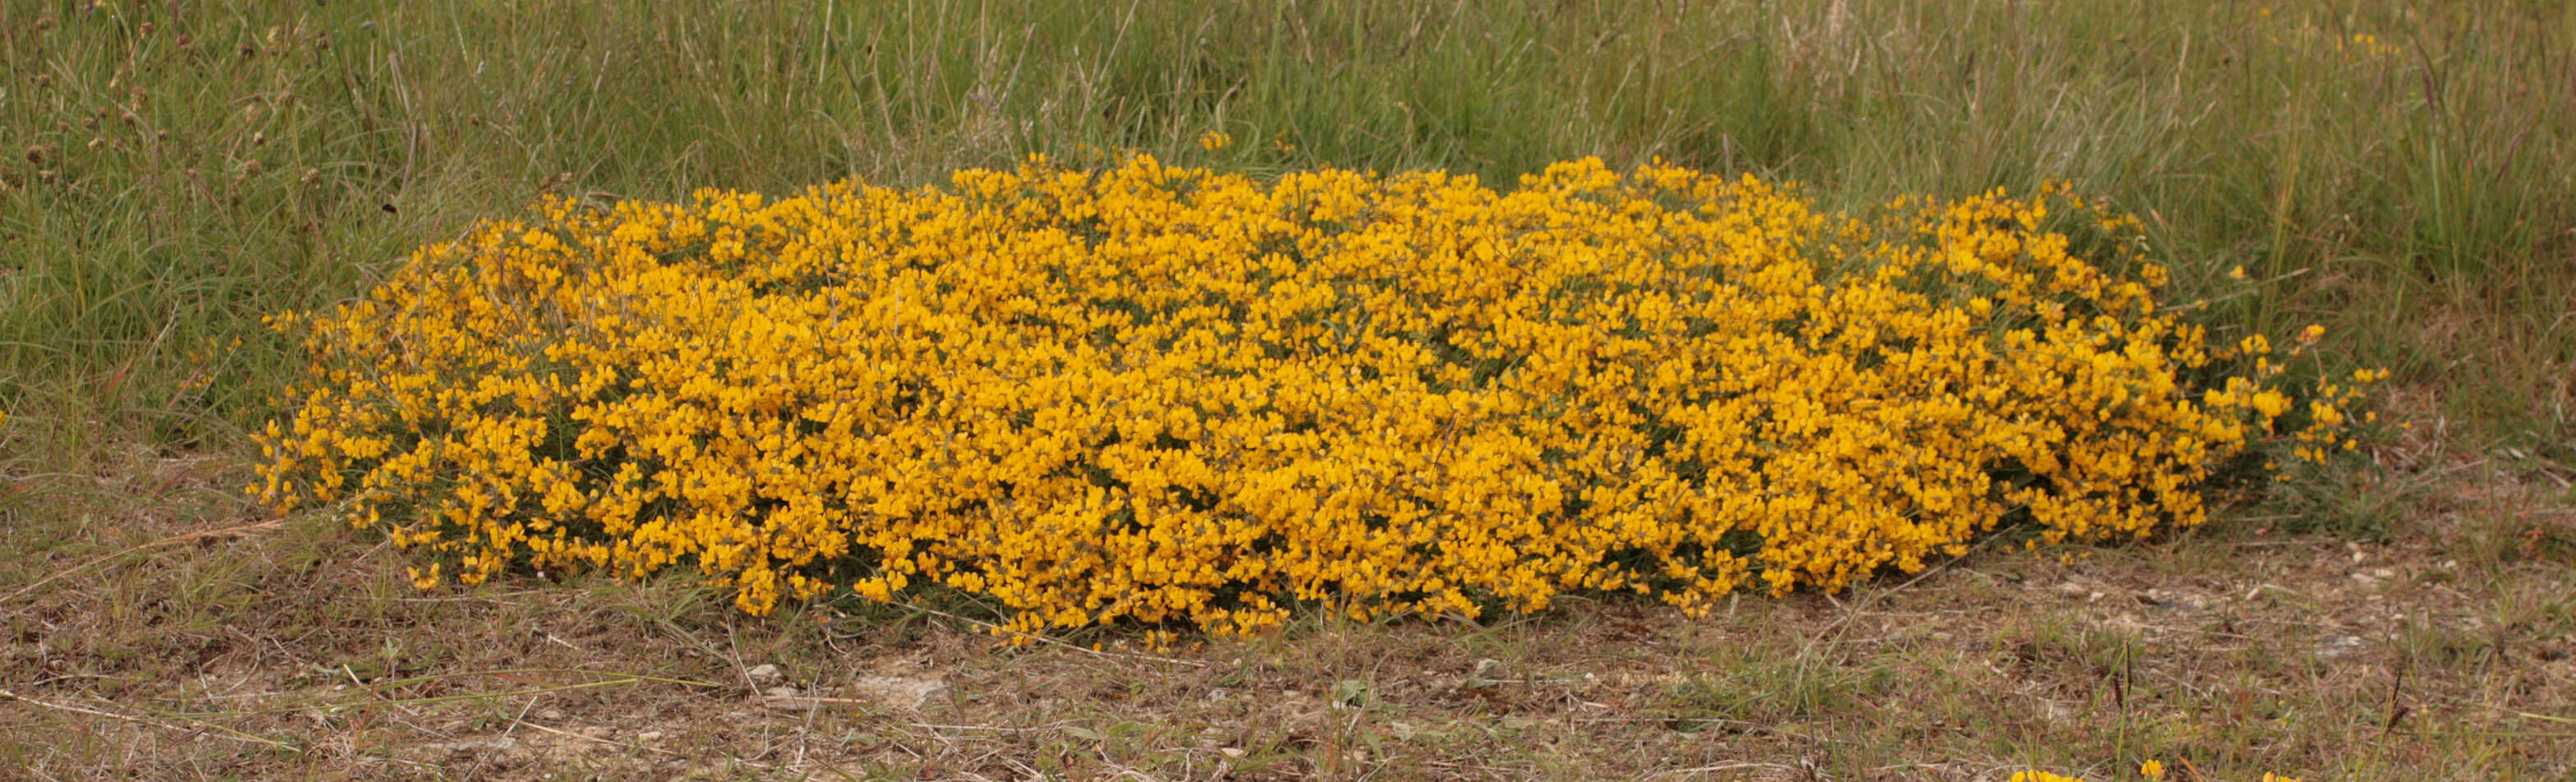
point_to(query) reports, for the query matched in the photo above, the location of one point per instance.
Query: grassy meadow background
(2403, 173)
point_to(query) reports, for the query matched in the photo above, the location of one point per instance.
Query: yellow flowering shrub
(1167, 395)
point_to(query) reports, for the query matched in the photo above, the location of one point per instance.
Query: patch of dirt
(2447, 648)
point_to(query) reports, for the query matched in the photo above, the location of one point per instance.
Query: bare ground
(2410, 623)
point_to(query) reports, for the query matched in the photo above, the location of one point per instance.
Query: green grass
(2417, 197)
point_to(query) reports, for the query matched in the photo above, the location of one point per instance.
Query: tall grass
(2403, 172)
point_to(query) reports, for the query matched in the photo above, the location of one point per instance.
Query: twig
(237, 530)
(506, 673)
(818, 700)
(219, 729)
(1749, 727)
(997, 728)
(2397, 709)
(613, 743)
(1727, 767)
(2541, 717)
(627, 679)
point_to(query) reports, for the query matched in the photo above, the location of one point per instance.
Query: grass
(2404, 173)
(2387, 159)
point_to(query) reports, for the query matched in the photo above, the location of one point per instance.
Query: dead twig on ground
(232, 531)
(203, 727)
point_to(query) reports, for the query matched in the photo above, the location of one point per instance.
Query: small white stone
(473, 746)
(898, 692)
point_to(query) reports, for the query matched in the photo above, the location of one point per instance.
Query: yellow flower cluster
(1171, 396)
(2354, 47)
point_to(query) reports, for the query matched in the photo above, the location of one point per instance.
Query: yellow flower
(2152, 769)
(1167, 395)
(1214, 140)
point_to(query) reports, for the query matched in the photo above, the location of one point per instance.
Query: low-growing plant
(1173, 396)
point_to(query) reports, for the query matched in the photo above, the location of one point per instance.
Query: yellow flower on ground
(1171, 396)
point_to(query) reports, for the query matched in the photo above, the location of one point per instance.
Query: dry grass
(142, 644)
